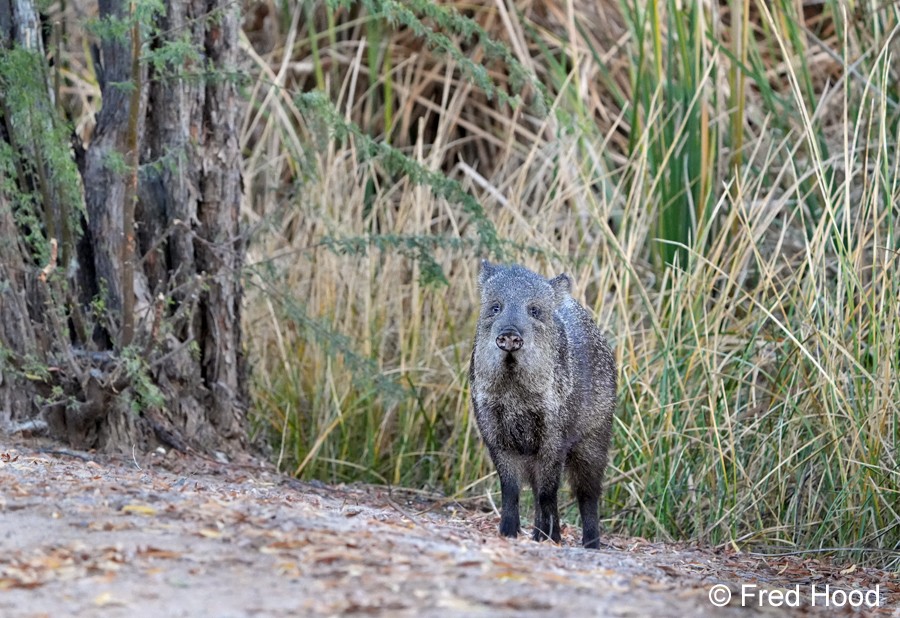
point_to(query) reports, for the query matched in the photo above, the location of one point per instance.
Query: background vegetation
(720, 178)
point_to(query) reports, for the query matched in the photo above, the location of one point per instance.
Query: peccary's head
(518, 335)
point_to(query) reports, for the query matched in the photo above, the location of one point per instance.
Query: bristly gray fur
(547, 405)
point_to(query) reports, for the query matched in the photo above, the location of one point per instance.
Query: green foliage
(115, 162)
(395, 162)
(147, 11)
(444, 18)
(34, 369)
(145, 393)
(672, 93)
(172, 56)
(58, 396)
(417, 248)
(53, 208)
(176, 57)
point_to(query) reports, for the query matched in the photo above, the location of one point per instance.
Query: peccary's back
(593, 372)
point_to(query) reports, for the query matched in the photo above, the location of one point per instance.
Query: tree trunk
(160, 243)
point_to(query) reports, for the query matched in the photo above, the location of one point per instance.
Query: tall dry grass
(721, 180)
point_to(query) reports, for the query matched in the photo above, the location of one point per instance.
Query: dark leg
(588, 505)
(546, 517)
(586, 465)
(509, 495)
(509, 508)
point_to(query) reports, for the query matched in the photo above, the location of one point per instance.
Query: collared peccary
(543, 384)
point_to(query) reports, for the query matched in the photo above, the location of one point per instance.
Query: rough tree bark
(64, 363)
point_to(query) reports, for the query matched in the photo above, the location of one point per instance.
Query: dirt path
(100, 537)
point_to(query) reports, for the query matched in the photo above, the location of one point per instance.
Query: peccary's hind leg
(546, 512)
(588, 505)
(586, 468)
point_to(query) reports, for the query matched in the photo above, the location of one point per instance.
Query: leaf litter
(97, 536)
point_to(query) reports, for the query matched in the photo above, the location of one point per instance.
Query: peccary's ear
(562, 286)
(486, 271)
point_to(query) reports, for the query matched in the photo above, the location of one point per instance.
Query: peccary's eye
(495, 308)
(535, 312)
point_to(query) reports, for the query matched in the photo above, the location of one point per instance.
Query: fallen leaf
(510, 576)
(51, 562)
(106, 599)
(329, 557)
(155, 552)
(12, 582)
(139, 509)
(288, 568)
(279, 546)
(670, 569)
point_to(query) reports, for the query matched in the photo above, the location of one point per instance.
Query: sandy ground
(88, 535)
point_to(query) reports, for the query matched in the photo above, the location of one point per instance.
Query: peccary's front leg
(546, 511)
(509, 509)
(509, 494)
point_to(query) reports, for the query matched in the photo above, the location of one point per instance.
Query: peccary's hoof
(591, 537)
(509, 528)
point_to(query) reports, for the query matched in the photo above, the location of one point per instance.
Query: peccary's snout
(509, 339)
